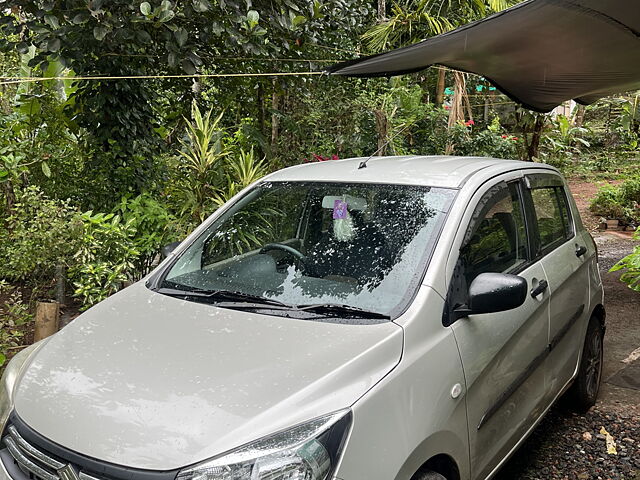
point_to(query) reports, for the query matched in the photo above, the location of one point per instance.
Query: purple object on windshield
(339, 210)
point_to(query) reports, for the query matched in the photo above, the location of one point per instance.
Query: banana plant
(565, 139)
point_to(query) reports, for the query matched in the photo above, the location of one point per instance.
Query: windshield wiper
(241, 300)
(219, 296)
(335, 308)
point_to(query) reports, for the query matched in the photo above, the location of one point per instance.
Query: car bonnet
(148, 381)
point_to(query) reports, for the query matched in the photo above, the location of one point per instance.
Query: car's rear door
(502, 353)
(563, 255)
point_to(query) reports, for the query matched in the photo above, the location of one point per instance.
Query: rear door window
(552, 217)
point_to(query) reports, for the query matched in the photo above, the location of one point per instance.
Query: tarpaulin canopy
(540, 52)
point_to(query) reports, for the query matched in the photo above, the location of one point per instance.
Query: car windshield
(354, 246)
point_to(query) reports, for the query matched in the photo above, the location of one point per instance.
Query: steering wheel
(297, 254)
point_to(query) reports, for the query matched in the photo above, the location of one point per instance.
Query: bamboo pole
(47, 314)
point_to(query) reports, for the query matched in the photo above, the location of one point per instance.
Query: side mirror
(494, 292)
(167, 249)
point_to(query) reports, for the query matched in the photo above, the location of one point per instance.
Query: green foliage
(491, 144)
(121, 123)
(106, 257)
(564, 139)
(628, 124)
(154, 227)
(211, 167)
(199, 169)
(39, 234)
(433, 136)
(608, 202)
(14, 316)
(621, 202)
(101, 251)
(316, 123)
(243, 169)
(630, 263)
(413, 20)
(395, 107)
(37, 137)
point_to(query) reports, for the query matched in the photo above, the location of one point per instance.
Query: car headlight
(8, 381)
(309, 451)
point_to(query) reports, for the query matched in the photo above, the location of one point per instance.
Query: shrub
(621, 202)
(39, 234)
(106, 257)
(153, 225)
(608, 202)
(630, 263)
(101, 251)
(14, 316)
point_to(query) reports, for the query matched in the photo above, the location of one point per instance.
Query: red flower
(320, 158)
(469, 123)
(515, 139)
(503, 136)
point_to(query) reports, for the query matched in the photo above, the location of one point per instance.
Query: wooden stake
(47, 314)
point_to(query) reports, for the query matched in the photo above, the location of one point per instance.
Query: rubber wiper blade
(216, 296)
(235, 296)
(339, 309)
(177, 292)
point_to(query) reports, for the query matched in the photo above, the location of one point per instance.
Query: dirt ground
(622, 339)
(567, 446)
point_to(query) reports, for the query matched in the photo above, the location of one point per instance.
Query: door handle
(580, 250)
(542, 286)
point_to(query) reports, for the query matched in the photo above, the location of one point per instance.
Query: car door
(502, 353)
(562, 255)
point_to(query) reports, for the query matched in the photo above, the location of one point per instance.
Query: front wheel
(584, 391)
(428, 476)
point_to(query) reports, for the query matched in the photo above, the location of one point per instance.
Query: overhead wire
(13, 80)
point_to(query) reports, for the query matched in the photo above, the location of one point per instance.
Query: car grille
(35, 464)
(27, 455)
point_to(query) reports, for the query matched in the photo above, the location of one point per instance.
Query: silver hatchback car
(405, 318)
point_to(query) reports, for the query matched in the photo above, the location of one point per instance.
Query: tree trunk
(534, 146)
(261, 108)
(467, 104)
(10, 197)
(440, 86)
(275, 120)
(456, 114)
(578, 119)
(382, 129)
(382, 11)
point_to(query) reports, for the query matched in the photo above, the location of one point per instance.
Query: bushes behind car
(620, 202)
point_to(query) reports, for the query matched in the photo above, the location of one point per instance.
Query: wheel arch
(440, 453)
(442, 464)
(600, 313)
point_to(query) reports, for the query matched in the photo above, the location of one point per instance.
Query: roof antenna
(363, 164)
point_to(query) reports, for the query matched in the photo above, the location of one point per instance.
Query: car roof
(435, 171)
